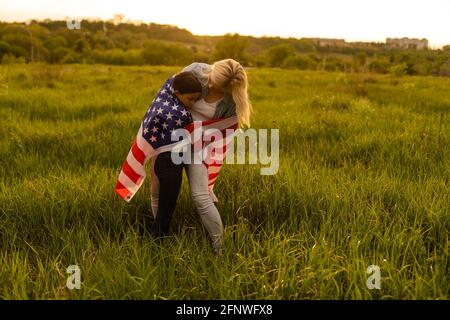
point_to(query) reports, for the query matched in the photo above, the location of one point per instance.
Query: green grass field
(363, 180)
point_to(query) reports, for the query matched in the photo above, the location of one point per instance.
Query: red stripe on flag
(129, 171)
(121, 190)
(208, 122)
(190, 127)
(215, 164)
(213, 175)
(138, 153)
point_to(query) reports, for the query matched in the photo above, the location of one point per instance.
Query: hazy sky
(352, 20)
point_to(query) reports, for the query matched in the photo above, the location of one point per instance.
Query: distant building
(407, 43)
(328, 42)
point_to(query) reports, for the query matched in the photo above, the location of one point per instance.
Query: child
(166, 175)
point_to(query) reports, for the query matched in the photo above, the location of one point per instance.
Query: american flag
(166, 114)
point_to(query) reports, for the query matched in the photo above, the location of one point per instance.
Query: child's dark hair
(186, 82)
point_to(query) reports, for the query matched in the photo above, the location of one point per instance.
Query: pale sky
(352, 20)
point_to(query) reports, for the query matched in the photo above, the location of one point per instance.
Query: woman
(224, 94)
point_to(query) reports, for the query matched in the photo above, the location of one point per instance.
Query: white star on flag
(169, 116)
(153, 139)
(184, 112)
(154, 129)
(165, 125)
(156, 120)
(159, 111)
(179, 122)
(166, 103)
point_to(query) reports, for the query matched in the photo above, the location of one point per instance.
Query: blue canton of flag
(165, 114)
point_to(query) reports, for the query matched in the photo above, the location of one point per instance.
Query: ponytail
(230, 76)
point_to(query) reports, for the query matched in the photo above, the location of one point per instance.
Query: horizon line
(138, 21)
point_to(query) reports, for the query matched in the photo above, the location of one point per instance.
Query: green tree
(4, 49)
(300, 62)
(158, 53)
(278, 54)
(399, 69)
(305, 45)
(232, 46)
(379, 65)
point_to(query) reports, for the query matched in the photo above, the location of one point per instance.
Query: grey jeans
(198, 182)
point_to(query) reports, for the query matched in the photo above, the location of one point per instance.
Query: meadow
(363, 180)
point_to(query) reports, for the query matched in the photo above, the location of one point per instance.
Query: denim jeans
(198, 182)
(202, 196)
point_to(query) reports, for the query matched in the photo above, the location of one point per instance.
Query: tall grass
(363, 179)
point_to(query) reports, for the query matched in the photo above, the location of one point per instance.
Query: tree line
(155, 44)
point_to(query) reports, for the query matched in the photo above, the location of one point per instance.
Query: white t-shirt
(202, 110)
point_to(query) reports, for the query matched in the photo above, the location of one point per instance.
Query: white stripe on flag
(213, 169)
(128, 183)
(146, 148)
(135, 165)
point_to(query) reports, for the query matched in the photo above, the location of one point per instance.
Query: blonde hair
(230, 76)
